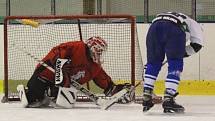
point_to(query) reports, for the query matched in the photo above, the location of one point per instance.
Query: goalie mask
(97, 47)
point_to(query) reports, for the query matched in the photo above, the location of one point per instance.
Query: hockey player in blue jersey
(168, 35)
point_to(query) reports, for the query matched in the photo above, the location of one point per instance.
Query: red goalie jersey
(84, 66)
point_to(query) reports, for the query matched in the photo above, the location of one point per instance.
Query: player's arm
(104, 81)
(196, 38)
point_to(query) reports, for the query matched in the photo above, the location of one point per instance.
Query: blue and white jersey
(193, 30)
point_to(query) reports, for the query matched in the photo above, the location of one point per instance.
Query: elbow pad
(192, 48)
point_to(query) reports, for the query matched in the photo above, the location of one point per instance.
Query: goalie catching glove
(127, 98)
(113, 89)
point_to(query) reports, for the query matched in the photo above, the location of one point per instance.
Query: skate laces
(175, 94)
(171, 98)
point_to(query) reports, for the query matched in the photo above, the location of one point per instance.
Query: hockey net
(38, 34)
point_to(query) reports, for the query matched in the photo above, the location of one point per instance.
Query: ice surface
(197, 108)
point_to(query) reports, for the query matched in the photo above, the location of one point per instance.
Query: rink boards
(188, 87)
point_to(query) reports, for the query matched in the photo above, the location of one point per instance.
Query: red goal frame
(13, 97)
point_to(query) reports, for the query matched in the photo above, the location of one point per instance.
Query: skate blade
(174, 111)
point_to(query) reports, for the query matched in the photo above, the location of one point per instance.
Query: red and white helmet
(97, 46)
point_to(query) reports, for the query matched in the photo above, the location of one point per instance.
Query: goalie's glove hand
(127, 98)
(113, 89)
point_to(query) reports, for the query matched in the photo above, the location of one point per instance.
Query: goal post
(38, 34)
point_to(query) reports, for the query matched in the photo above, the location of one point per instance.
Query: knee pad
(175, 67)
(66, 97)
(176, 64)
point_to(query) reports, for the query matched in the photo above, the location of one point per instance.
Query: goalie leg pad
(66, 97)
(22, 95)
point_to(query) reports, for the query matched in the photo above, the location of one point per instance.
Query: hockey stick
(36, 23)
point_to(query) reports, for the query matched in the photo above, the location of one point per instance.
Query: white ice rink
(198, 108)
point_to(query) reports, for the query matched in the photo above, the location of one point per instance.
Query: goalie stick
(103, 103)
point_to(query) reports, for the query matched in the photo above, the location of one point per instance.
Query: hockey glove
(113, 88)
(192, 48)
(186, 55)
(127, 98)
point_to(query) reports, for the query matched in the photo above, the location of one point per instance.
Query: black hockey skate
(45, 103)
(170, 106)
(34, 104)
(147, 101)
